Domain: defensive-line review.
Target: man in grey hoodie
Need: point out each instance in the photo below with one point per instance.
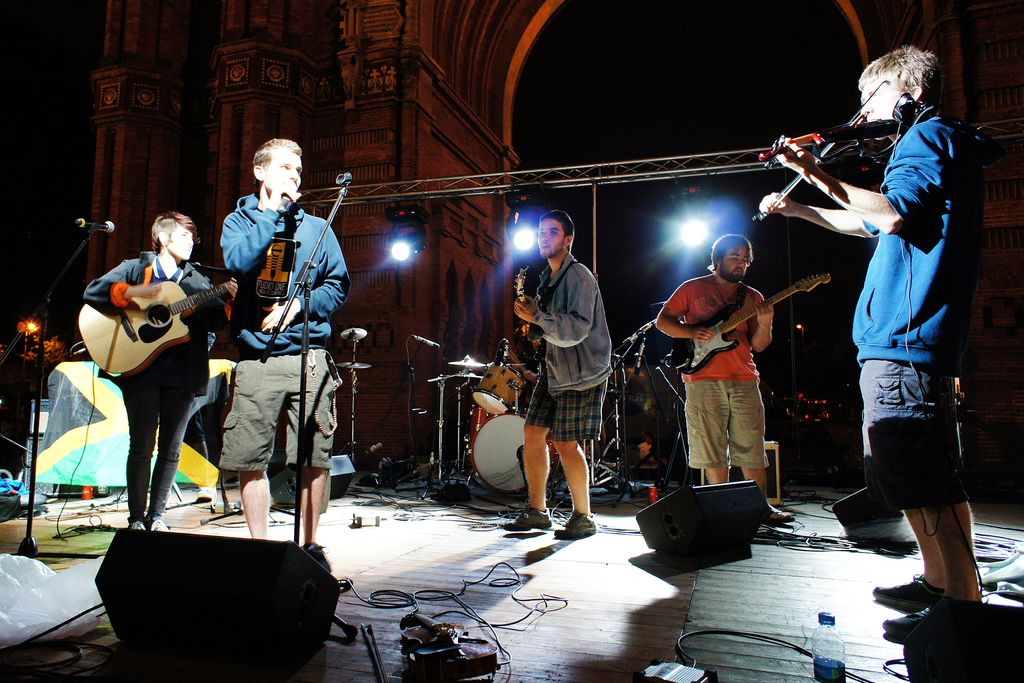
(569, 314)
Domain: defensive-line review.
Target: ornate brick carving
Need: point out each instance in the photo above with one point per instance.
(378, 79)
(145, 96)
(275, 73)
(109, 96)
(236, 73)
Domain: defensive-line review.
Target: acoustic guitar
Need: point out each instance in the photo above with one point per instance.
(127, 342)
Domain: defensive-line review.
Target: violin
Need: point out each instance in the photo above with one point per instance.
(857, 132)
(437, 651)
(853, 134)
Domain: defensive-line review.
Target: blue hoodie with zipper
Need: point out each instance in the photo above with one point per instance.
(915, 306)
(246, 242)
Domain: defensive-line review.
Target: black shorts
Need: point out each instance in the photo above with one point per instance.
(910, 447)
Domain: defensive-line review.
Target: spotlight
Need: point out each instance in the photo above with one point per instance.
(689, 203)
(693, 232)
(528, 204)
(408, 235)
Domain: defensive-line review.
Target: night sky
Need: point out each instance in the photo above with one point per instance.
(673, 78)
(48, 48)
(604, 83)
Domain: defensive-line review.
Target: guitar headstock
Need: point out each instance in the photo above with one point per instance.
(812, 281)
(520, 282)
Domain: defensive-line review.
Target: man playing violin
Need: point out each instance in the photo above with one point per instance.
(912, 318)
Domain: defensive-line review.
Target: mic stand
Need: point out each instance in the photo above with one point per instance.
(28, 546)
(304, 281)
(660, 415)
(680, 440)
(621, 472)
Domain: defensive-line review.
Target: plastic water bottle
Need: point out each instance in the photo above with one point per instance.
(828, 649)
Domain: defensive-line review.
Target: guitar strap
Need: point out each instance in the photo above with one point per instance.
(545, 293)
(741, 295)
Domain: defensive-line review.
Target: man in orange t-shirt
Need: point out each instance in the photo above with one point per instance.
(724, 412)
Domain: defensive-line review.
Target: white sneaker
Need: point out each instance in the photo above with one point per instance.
(137, 525)
(158, 525)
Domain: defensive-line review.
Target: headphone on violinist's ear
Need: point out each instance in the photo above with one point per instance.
(908, 110)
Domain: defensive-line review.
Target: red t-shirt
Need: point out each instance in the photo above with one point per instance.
(695, 301)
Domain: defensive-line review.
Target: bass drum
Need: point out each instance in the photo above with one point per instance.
(498, 453)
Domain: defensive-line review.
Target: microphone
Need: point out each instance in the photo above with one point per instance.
(287, 206)
(639, 356)
(343, 179)
(423, 340)
(106, 226)
(501, 357)
(643, 330)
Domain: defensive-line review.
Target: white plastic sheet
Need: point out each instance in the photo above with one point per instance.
(34, 598)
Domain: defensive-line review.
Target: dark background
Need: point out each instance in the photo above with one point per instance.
(603, 83)
(669, 78)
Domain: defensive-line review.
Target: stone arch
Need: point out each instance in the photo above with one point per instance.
(508, 56)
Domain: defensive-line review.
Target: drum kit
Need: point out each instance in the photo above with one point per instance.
(496, 438)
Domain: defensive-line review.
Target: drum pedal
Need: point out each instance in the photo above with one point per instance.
(357, 521)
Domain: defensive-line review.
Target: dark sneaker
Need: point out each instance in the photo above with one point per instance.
(775, 516)
(897, 630)
(528, 519)
(317, 553)
(910, 597)
(578, 526)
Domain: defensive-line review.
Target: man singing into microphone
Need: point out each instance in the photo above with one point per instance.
(724, 412)
(912, 319)
(265, 240)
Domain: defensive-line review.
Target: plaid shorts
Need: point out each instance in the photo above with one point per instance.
(570, 415)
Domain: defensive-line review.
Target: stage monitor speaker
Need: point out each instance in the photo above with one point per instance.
(964, 641)
(860, 507)
(268, 596)
(693, 521)
(342, 472)
(282, 479)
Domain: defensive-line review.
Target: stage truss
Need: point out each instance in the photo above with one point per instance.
(1008, 131)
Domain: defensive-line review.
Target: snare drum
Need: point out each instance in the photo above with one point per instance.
(499, 389)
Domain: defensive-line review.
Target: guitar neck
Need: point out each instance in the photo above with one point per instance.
(737, 318)
(197, 299)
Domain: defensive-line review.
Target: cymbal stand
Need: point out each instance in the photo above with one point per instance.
(460, 450)
(354, 381)
(440, 379)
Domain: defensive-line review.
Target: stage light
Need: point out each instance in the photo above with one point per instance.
(408, 236)
(528, 204)
(693, 232)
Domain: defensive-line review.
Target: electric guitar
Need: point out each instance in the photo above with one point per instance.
(689, 355)
(127, 342)
(528, 338)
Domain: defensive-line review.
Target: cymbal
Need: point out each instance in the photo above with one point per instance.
(353, 333)
(352, 365)
(468, 362)
(466, 375)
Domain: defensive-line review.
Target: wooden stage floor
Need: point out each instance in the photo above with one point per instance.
(623, 606)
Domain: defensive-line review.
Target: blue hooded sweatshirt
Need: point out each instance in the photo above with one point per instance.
(247, 242)
(916, 303)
